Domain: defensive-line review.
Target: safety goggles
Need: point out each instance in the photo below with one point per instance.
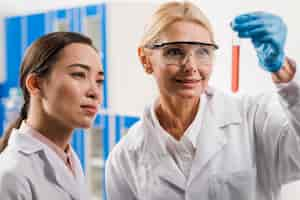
(177, 53)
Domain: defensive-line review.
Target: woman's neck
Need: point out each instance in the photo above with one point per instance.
(175, 116)
(57, 133)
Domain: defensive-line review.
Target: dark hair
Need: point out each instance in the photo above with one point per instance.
(38, 59)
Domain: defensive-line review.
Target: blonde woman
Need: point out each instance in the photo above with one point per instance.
(195, 142)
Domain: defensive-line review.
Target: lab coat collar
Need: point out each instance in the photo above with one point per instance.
(222, 107)
(155, 156)
(63, 177)
(168, 171)
(24, 143)
(219, 112)
(189, 135)
(28, 145)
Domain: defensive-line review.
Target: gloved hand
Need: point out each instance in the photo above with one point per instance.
(268, 35)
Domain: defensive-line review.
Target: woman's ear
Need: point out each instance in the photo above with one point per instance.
(145, 60)
(33, 84)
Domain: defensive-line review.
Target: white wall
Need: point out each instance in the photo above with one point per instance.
(129, 87)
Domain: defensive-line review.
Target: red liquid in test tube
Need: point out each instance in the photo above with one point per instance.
(235, 64)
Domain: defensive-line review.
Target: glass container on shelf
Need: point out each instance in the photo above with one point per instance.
(12, 106)
(61, 20)
(91, 26)
(61, 25)
(95, 158)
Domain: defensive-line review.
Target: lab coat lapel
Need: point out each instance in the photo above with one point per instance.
(208, 144)
(169, 172)
(218, 113)
(158, 160)
(63, 176)
(55, 169)
(80, 177)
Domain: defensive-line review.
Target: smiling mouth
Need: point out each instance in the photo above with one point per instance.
(188, 81)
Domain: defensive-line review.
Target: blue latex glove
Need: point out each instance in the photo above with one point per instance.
(268, 35)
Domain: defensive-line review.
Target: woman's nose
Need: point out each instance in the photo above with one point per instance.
(94, 91)
(189, 63)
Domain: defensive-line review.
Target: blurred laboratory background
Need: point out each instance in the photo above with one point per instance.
(116, 28)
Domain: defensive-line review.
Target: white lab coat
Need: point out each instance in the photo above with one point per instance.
(30, 170)
(246, 149)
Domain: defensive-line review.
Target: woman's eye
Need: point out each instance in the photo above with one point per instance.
(78, 74)
(174, 52)
(203, 52)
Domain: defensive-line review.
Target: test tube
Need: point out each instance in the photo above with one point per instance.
(235, 63)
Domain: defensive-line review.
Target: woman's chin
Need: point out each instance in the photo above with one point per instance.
(85, 124)
(188, 94)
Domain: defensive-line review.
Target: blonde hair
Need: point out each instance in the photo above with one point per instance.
(171, 12)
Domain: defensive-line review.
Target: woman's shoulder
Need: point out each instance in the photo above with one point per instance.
(133, 138)
(17, 155)
(13, 163)
(130, 144)
(13, 174)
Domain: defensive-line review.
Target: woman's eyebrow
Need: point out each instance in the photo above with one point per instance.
(86, 67)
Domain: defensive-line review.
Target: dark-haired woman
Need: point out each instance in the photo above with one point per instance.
(61, 78)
